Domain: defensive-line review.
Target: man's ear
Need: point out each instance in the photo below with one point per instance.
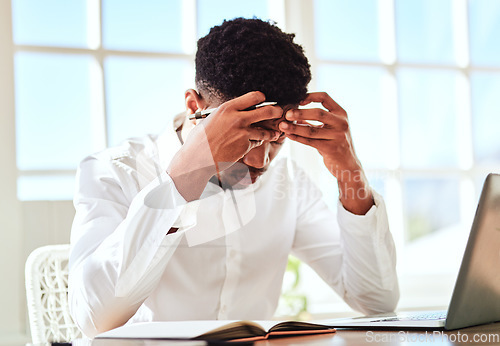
(193, 101)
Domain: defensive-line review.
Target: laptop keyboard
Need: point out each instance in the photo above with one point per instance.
(435, 315)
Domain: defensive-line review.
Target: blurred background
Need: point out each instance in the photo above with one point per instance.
(418, 79)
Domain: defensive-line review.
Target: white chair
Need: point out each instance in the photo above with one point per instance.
(47, 295)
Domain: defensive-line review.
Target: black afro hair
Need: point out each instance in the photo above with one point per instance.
(243, 55)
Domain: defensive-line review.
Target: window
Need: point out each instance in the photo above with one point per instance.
(419, 79)
(91, 73)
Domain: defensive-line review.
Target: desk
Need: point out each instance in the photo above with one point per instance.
(481, 335)
(464, 336)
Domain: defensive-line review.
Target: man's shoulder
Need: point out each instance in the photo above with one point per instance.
(127, 152)
(131, 147)
(131, 164)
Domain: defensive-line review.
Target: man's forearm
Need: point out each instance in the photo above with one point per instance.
(189, 179)
(354, 192)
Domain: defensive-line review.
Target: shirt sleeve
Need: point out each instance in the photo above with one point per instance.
(354, 254)
(119, 242)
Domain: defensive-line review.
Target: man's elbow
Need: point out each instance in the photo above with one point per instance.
(92, 323)
(387, 303)
(95, 313)
(374, 301)
(381, 301)
(82, 317)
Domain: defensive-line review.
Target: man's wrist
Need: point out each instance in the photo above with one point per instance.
(354, 191)
(189, 179)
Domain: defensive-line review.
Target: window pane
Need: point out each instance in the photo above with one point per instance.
(36, 188)
(424, 31)
(427, 119)
(53, 126)
(430, 205)
(143, 95)
(360, 91)
(151, 25)
(486, 117)
(484, 19)
(346, 29)
(377, 181)
(213, 12)
(50, 22)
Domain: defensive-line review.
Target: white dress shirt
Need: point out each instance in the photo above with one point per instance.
(228, 257)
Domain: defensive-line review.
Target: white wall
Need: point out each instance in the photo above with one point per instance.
(41, 223)
(23, 226)
(11, 237)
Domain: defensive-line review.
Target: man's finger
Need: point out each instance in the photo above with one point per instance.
(262, 114)
(261, 134)
(335, 121)
(313, 142)
(310, 131)
(245, 101)
(325, 100)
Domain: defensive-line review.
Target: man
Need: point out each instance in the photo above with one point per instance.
(199, 224)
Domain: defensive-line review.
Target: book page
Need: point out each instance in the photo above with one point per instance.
(236, 330)
(267, 324)
(162, 330)
(291, 325)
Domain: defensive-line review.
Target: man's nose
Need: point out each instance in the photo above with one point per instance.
(258, 157)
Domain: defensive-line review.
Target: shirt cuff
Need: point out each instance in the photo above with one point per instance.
(369, 234)
(157, 208)
(359, 224)
(166, 196)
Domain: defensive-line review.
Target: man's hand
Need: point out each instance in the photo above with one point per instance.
(332, 139)
(232, 132)
(219, 141)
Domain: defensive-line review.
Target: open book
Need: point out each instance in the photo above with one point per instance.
(215, 330)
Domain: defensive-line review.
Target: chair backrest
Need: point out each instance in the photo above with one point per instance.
(47, 295)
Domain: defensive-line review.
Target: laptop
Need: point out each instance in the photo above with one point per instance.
(476, 296)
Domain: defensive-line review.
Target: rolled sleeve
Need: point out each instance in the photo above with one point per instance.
(370, 277)
(119, 241)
